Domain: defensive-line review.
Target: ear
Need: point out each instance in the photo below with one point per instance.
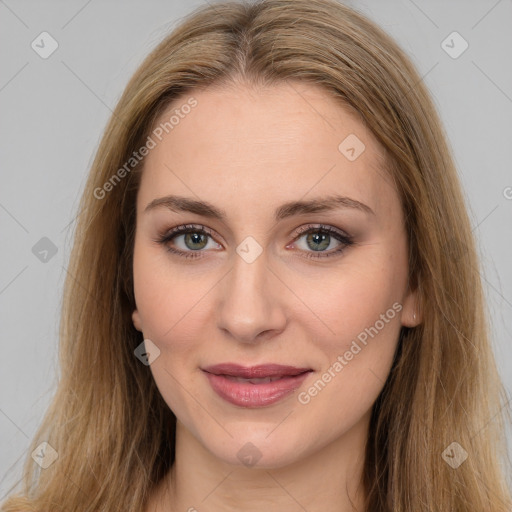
(411, 312)
(136, 320)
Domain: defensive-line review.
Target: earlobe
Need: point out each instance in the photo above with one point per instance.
(136, 320)
(411, 313)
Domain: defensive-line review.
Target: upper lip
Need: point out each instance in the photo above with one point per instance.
(252, 372)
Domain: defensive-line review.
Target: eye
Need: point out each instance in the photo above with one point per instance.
(189, 240)
(318, 238)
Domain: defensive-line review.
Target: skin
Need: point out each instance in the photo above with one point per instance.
(248, 150)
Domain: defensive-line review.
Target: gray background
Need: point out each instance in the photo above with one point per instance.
(54, 111)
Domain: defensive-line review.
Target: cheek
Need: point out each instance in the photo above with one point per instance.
(359, 306)
(352, 298)
(175, 311)
(356, 359)
(169, 307)
(165, 298)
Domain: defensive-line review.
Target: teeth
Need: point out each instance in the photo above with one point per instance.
(253, 381)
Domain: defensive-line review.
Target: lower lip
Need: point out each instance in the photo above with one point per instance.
(246, 394)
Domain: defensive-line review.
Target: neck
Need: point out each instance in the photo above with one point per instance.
(326, 480)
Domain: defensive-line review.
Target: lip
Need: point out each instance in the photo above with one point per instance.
(285, 380)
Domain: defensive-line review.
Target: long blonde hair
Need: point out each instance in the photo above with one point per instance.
(112, 430)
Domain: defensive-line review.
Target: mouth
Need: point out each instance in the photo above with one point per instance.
(255, 386)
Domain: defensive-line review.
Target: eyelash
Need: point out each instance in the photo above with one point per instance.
(346, 240)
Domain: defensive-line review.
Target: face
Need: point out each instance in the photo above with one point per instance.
(294, 254)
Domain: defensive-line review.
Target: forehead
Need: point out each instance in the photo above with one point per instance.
(242, 146)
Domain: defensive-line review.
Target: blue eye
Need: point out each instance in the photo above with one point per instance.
(319, 238)
(194, 238)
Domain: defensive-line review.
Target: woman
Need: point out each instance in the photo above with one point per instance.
(272, 300)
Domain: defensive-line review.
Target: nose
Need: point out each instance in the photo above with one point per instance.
(249, 303)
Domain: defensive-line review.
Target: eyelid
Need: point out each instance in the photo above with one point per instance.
(184, 228)
(298, 232)
(321, 227)
(344, 239)
(341, 236)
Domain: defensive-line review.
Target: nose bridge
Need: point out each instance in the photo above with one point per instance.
(248, 304)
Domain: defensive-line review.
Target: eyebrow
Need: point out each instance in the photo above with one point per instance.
(324, 204)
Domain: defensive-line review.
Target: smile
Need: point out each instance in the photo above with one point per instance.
(256, 386)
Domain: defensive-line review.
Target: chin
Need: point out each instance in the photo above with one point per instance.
(258, 449)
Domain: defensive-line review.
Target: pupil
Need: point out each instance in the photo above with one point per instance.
(318, 239)
(195, 238)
